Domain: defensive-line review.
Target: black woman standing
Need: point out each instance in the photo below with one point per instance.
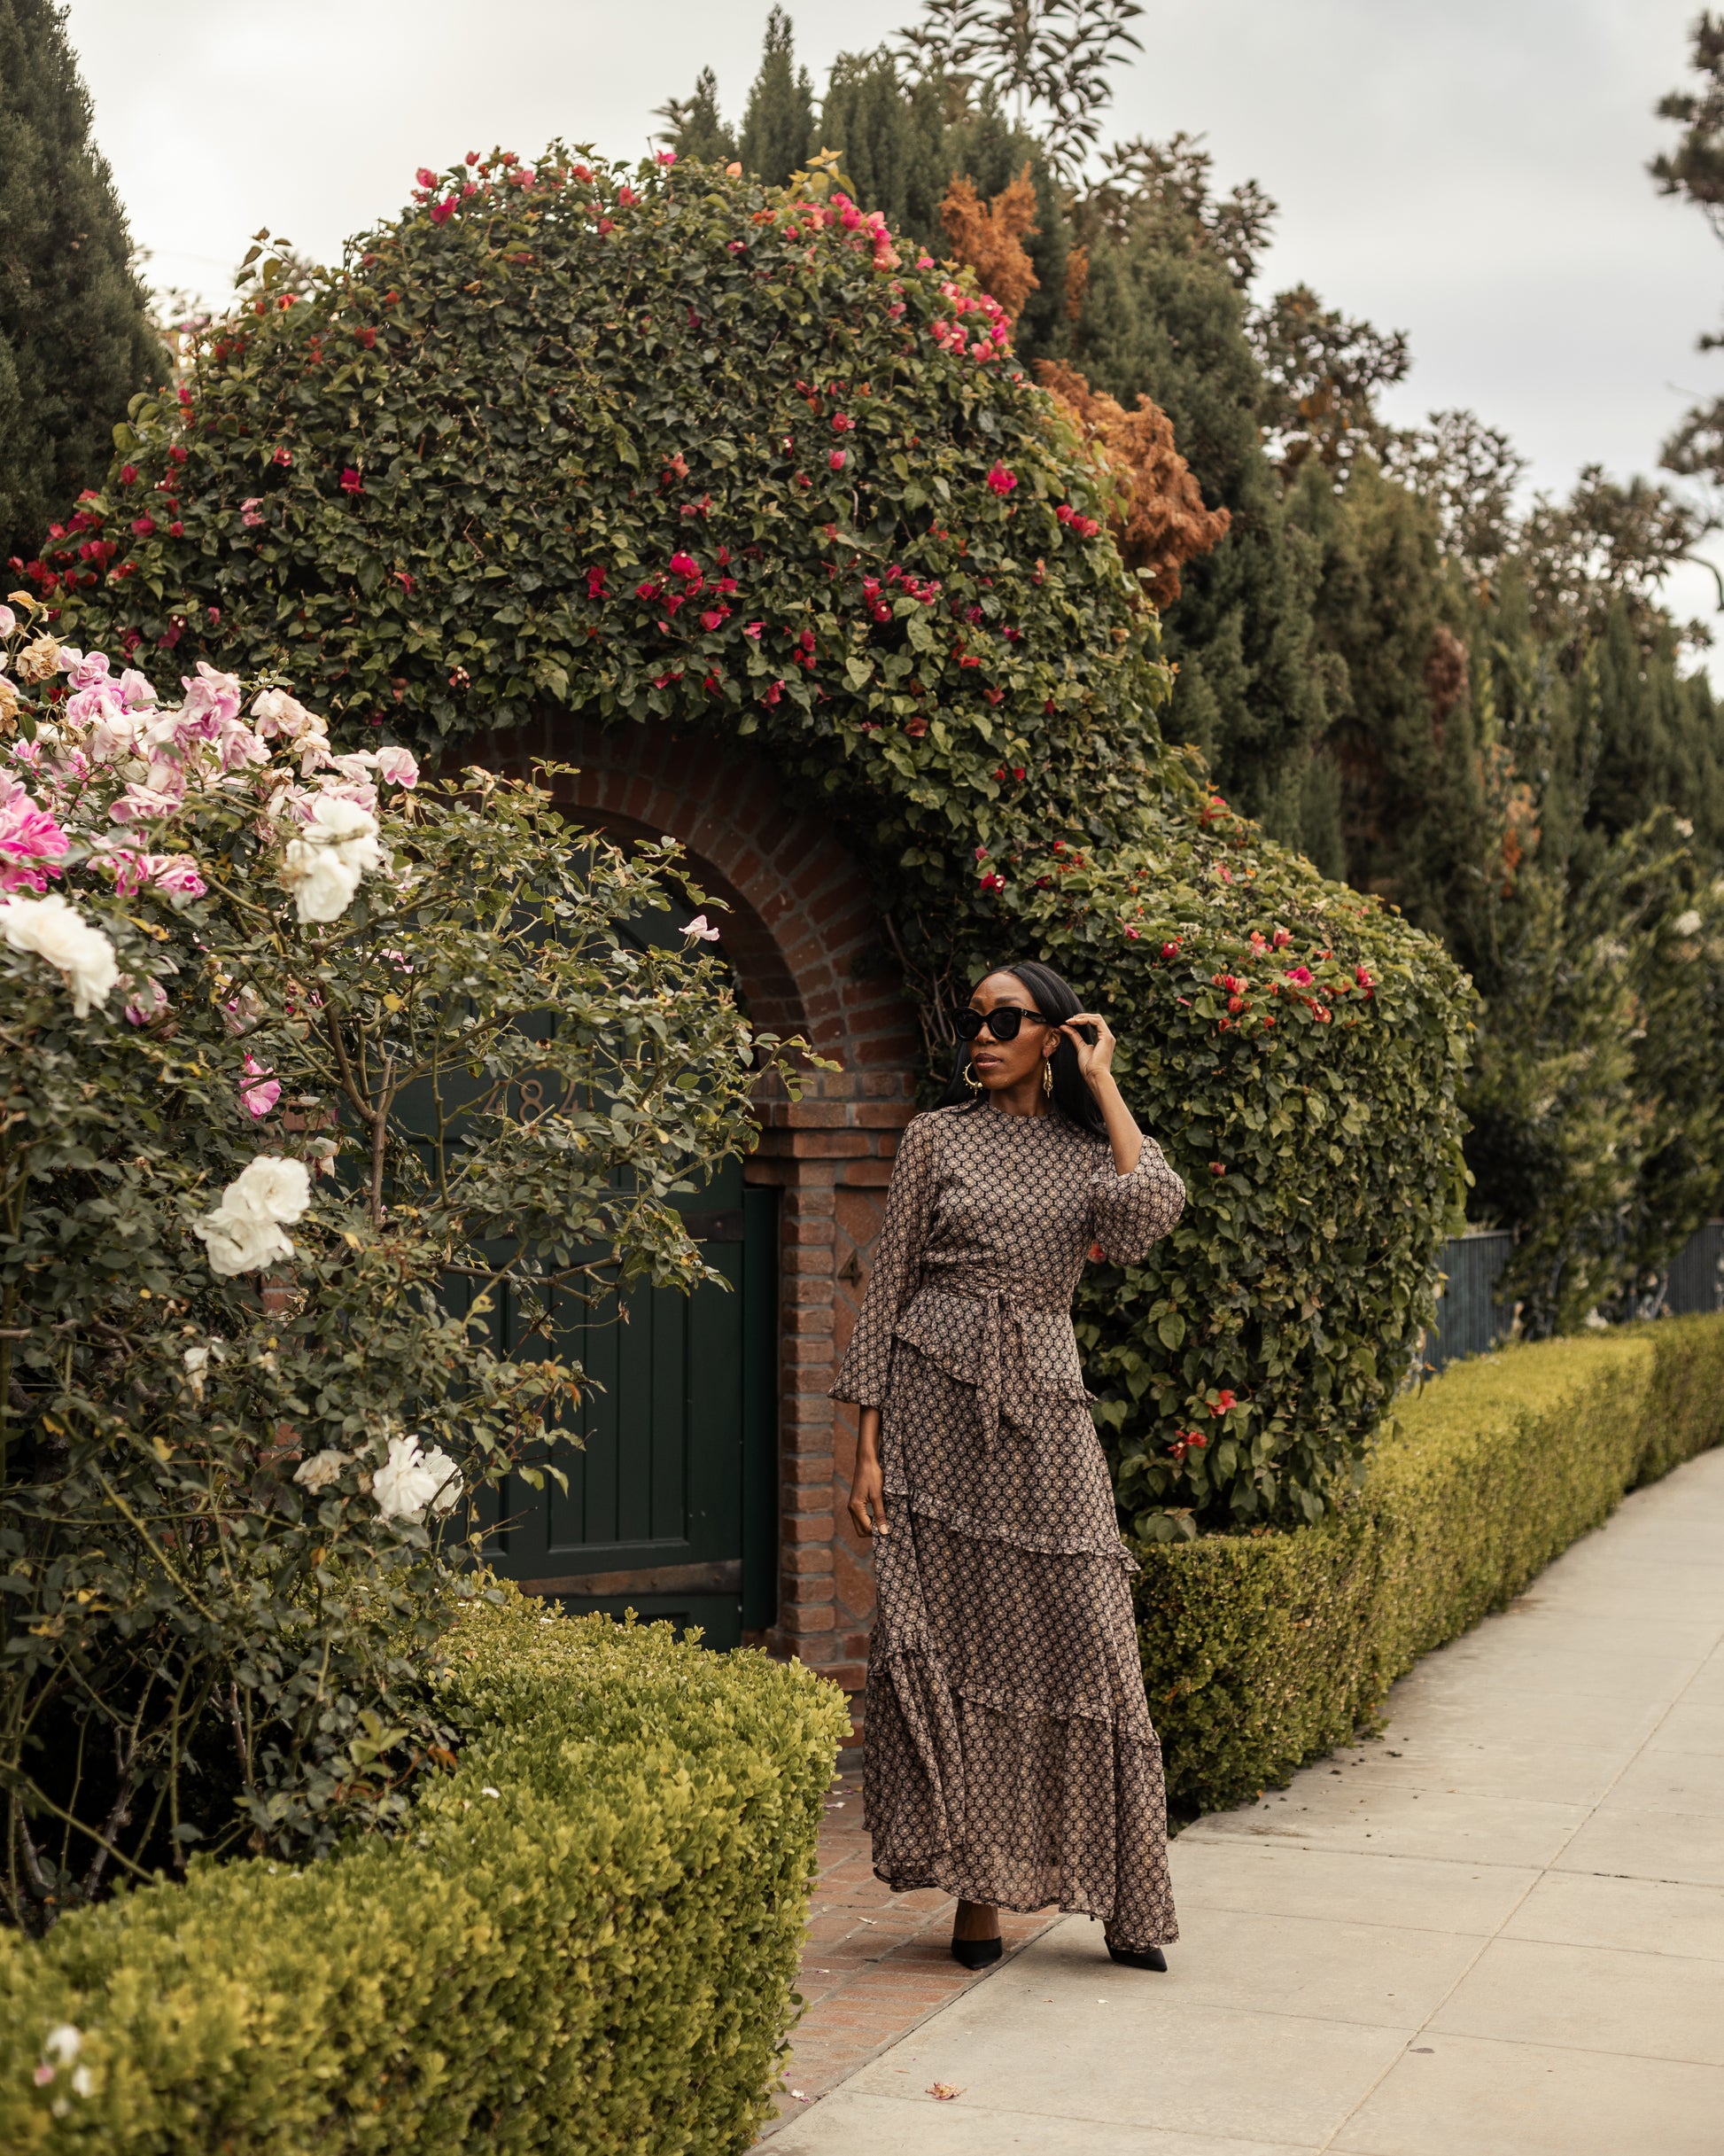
(1009, 1754)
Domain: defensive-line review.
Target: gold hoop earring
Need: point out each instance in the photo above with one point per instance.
(1047, 1074)
(971, 1079)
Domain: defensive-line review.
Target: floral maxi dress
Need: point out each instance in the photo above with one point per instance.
(1009, 1756)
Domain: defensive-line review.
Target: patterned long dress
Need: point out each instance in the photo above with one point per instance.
(1009, 1756)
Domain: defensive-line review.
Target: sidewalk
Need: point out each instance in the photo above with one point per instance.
(1499, 1931)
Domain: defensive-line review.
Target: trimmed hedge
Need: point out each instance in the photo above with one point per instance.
(588, 1944)
(1262, 1651)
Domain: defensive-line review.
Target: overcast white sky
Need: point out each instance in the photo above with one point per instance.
(1471, 173)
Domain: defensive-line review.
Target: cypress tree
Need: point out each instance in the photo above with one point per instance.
(890, 140)
(1163, 317)
(778, 130)
(696, 129)
(75, 336)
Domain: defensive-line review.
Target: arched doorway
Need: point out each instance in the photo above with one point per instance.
(810, 959)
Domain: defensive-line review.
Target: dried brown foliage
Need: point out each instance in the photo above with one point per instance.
(1158, 521)
(989, 236)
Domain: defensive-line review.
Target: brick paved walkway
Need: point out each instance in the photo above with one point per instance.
(876, 1963)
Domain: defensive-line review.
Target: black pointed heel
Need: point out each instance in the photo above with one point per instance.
(1150, 1957)
(977, 1953)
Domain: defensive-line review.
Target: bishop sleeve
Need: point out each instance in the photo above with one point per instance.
(1129, 1212)
(896, 1268)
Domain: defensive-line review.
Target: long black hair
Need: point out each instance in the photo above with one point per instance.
(1052, 997)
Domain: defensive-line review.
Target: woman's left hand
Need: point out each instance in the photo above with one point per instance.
(1095, 1058)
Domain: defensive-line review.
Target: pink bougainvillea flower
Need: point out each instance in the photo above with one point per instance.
(667, 157)
(425, 177)
(283, 456)
(143, 526)
(1302, 975)
(684, 566)
(249, 511)
(350, 482)
(837, 460)
(441, 211)
(1216, 1167)
(753, 628)
(702, 929)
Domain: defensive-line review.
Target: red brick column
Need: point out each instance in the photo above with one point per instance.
(810, 959)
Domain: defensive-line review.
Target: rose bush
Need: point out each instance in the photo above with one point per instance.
(277, 1139)
(666, 447)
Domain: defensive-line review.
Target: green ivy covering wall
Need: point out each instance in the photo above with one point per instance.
(668, 447)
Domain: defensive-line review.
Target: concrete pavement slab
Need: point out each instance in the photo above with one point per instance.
(1603, 1999)
(1578, 1909)
(916, 2124)
(1291, 1880)
(1685, 1847)
(1463, 2095)
(1405, 1822)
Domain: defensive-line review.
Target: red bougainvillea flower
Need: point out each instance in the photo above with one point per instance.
(350, 482)
(1222, 1401)
(1282, 938)
(1001, 480)
(595, 577)
(993, 881)
(1170, 950)
(283, 456)
(1364, 977)
(441, 211)
(143, 526)
(1300, 974)
(837, 460)
(425, 177)
(128, 475)
(684, 566)
(843, 424)
(178, 452)
(1218, 1167)
(405, 581)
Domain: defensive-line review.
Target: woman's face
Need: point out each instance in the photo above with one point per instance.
(1003, 1063)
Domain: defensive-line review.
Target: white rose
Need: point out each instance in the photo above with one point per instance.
(244, 1233)
(337, 821)
(320, 1470)
(321, 879)
(60, 934)
(1687, 923)
(409, 1479)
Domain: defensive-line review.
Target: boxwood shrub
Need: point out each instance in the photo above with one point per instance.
(587, 1943)
(1263, 1650)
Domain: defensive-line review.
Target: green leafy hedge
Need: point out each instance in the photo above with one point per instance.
(667, 446)
(1262, 1651)
(588, 1944)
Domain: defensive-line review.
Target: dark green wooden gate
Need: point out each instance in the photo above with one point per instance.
(670, 1502)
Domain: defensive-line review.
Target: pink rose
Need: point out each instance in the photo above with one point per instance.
(397, 766)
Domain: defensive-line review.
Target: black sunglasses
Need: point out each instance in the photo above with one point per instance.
(1003, 1022)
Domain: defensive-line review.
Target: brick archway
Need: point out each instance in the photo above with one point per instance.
(806, 948)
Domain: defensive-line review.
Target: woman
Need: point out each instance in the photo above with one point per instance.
(1009, 1754)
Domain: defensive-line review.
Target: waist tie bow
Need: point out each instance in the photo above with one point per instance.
(1003, 1358)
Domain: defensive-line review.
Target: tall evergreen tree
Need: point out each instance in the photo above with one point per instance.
(778, 130)
(75, 336)
(692, 125)
(890, 139)
(1163, 316)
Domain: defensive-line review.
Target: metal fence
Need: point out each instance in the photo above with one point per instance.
(1471, 1317)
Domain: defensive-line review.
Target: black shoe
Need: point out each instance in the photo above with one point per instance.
(977, 1953)
(1150, 1957)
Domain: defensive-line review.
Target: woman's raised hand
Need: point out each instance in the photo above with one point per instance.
(1095, 1058)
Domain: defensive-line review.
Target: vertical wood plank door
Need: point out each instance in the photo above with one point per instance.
(669, 1505)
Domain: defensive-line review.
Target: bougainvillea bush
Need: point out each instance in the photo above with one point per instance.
(666, 447)
(276, 1141)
